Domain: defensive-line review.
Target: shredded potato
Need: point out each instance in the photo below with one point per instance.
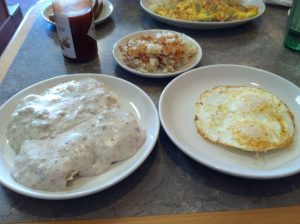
(204, 10)
(163, 52)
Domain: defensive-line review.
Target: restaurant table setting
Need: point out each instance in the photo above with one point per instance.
(179, 167)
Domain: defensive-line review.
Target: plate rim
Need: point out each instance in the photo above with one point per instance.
(198, 24)
(49, 195)
(97, 20)
(110, 11)
(260, 174)
(197, 57)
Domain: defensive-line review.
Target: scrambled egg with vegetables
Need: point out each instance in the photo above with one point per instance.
(205, 10)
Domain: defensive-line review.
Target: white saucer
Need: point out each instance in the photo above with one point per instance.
(106, 11)
(177, 112)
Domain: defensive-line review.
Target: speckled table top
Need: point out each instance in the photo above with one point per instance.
(168, 181)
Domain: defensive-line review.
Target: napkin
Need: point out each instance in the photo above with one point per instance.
(279, 2)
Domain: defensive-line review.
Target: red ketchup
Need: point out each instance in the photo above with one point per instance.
(76, 29)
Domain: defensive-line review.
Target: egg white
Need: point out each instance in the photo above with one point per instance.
(247, 118)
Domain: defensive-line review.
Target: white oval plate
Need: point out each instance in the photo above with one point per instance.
(204, 25)
(106, 11)
(123, 41)
(130, 96)
(177, 111)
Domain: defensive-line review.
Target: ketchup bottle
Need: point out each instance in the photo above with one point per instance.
(76, 29)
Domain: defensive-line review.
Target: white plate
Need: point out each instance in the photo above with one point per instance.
(122, 42)
(177, 107)
(131, 97)
(106, 11)
(204, 25)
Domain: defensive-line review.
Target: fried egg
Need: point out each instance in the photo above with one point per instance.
(247, 118)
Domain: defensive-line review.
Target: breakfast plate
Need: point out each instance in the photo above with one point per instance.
(131, 97)
(106, 11)
(177, 112)
(146, 5)
(192, 62)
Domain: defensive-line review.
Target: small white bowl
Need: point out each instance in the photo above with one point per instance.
(122, 42)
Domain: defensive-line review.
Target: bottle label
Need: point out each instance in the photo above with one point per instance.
(65, 36)
(92, 31)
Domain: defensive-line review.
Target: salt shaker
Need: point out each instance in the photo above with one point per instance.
(76, 29)
(292, 37)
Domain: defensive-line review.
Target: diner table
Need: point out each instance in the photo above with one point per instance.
(168, 183)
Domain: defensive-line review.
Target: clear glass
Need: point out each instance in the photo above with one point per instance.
(292, 37)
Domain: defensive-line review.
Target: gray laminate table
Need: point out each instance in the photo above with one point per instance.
(168, 181)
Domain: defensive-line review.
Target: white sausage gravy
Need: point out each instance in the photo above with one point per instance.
(75, 128)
